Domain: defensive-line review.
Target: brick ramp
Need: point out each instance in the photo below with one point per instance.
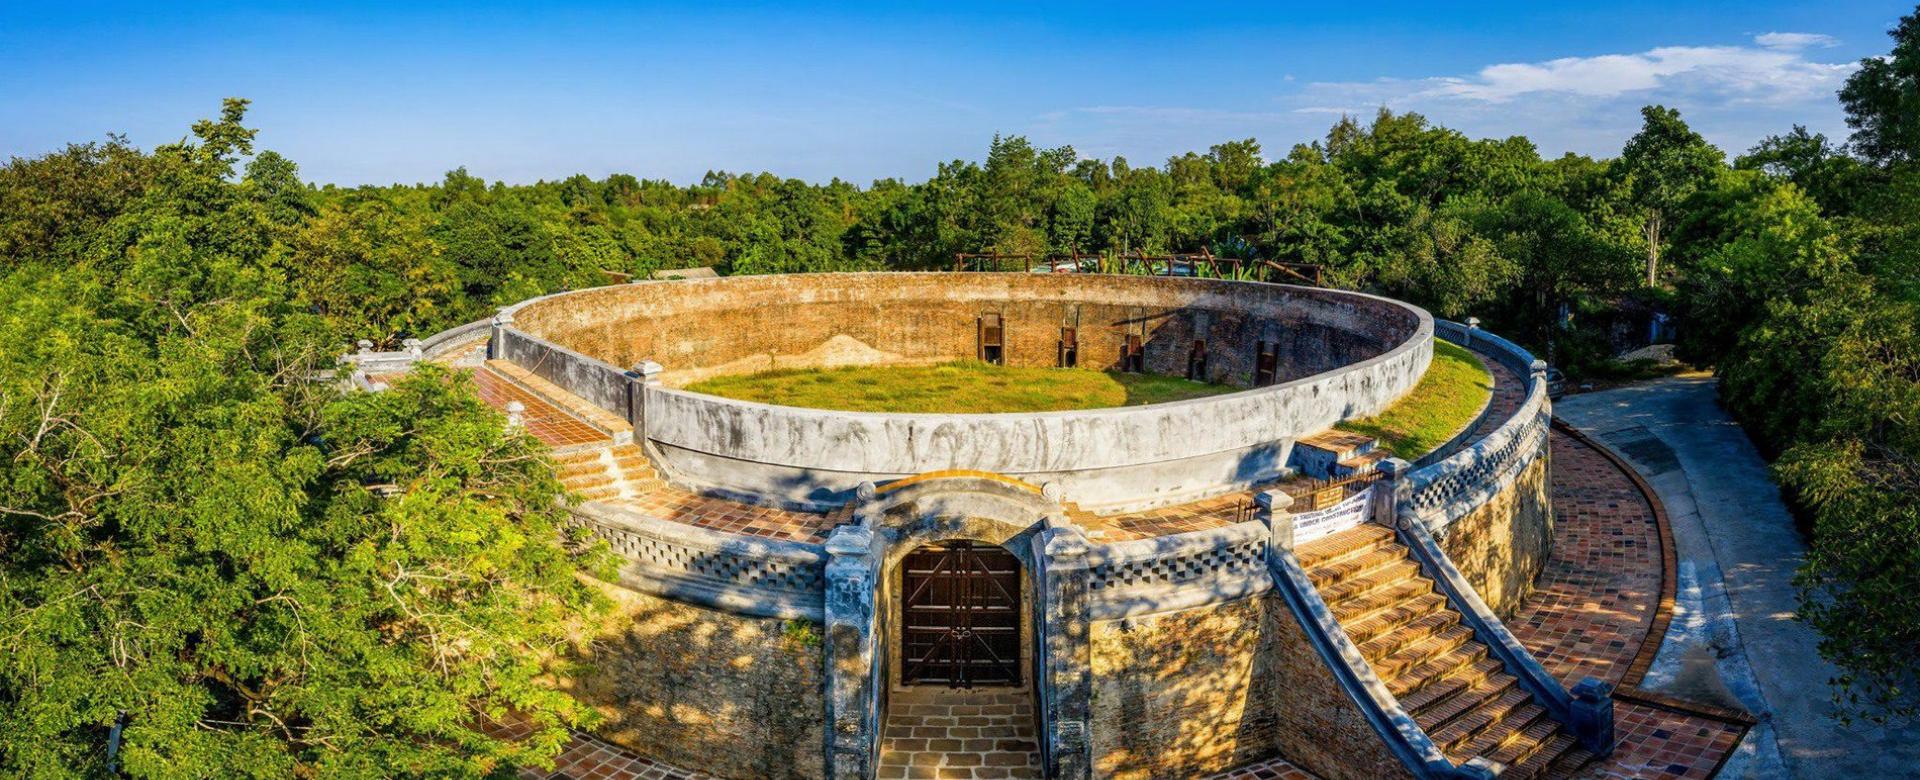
(940, 732)
(1430, 661)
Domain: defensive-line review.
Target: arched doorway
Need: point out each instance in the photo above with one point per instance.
(960, 616)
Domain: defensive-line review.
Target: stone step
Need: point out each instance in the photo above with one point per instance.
(1415, 654)
(1338, 547)
(1561, 756)
(1473, 722)
(1435, 669)
(1408, 633)
(1531, 740)
(1398, 571)
(1462, 679)
(1360, 464)
(1400, 614)
(1365, 606)
(1341, 444)
(1357, 566)
(1456, 696)
(1515, 726)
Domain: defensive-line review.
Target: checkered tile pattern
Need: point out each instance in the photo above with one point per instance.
(1655, 742)
(544, 421)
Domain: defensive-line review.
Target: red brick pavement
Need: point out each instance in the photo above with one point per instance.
(546, 422)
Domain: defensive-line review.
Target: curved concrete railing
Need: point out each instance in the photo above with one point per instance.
(745, 575)
(1104, 459)
(1178, 571)
(454, 340)
(1443, 492)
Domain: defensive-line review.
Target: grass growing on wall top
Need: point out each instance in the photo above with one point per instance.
(954, 388)
(1449, 396)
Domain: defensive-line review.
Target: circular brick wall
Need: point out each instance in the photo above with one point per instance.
(1341, 355)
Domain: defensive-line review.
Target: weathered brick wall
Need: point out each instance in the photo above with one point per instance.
(703, 328)
(735, 696)
(1501, 545)
(1198, 691)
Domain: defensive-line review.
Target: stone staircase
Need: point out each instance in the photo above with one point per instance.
(1442, 676)
(605, 472)
(1336, 454)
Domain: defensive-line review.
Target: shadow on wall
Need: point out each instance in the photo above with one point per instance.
(722, 693)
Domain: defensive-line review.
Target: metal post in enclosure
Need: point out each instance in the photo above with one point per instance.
(851, 656)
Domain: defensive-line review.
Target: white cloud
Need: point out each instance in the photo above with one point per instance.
(1793, 41)
(1736, 72)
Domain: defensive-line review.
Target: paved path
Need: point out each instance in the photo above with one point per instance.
(1733, 636)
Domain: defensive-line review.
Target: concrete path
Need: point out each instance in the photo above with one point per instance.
(1734, 640)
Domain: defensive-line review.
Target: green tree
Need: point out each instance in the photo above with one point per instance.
(1882, 99)
(1664, 164)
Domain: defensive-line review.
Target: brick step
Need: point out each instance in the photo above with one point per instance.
(1456, 696)
(1382, 577)
(1365, 606)
(1530, 741)
(1359, 566)
(1338, 547)
(1360, 464)
(1461, 680)
(1415, 654)
(1472, 723)
(583, 468)
(1408, 633)
(1435, 669)
(1495, 740)
(599, 493)
(1561, 756)
(1400, 614)
(1341, 444)
(575, 457)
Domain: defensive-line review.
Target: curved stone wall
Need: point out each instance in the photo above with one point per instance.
(1344, 355)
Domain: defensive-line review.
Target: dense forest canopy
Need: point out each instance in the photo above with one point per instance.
(192, 548)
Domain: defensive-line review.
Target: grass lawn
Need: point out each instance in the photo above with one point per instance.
(1451, 393)
(960, 387)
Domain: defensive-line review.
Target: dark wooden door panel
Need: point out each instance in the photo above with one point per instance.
(961, 625)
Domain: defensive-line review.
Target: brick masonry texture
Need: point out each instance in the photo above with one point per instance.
(703, 328)
(693, 687)
(935, 732)
(1205, 690)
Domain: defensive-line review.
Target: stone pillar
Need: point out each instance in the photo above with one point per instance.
(516, 414)
(412, 348)
(644, 374)
(1271, 507)
(1473, 325)
(1390, 496)
(1591, 717)
(1066, 684)
(851, 649)
(497, 340)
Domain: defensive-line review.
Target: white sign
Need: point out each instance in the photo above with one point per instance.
(1308, 526)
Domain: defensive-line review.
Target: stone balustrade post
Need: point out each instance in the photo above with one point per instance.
(497, 339)
(1473, 326)
(850, 651)
(412, 348)
(644, 374)
(1592, 715)
(1390, 497)
(516, 414)
(1271, 507)
(1067, 677)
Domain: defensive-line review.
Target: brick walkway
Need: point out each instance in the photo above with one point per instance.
(1595, 607)
(545, 421)
(667, 502)
(938, 732)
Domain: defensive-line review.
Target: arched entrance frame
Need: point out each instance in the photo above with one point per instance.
(863, 593)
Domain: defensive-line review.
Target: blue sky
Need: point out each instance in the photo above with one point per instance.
(371, 93)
